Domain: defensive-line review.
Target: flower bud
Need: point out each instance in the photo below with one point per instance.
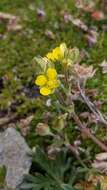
(43, 129)
(60, 122)
(74, 55)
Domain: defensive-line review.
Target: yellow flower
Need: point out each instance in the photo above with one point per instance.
(41, 80)
(47, 82)
(57, 53)
(45, 91)
(51, 73)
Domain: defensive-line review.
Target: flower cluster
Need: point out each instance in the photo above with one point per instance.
(47, 74)
(47, 82)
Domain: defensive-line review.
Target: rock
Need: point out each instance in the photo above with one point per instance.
(14, 155)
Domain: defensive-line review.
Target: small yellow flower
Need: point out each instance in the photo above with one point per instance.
(47, 82)
(57, 53)
(45, 91)
(41, 80)
(51, 73)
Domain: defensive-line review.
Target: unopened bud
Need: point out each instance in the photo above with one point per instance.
(60, 122)
(43, 129)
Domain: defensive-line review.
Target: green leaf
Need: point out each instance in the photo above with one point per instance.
(42, 64)
(53, 172)
(2, 175)
(98, 187)
(39, 182)
(55, 168)
(68, 187)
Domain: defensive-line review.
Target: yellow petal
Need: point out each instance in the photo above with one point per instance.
(45, 91)
(59, 52)
(56, 52)
(41, 80)
(49, 56)
(51, 73)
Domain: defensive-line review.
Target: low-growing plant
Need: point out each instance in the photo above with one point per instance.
(60, 173)
(54, 173)
(62, 78)
(62, 81)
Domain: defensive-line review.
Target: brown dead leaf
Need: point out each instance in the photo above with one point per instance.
(92, 182)
(4, 16)
(98, 104)
(101, 156)
(100, 162)
(85, 6)
(50, 34)
(25, 122)
(91, 118)
(24, 125)
(101, 166)
(12, 21)
(85, 186)
(13, 25)
(91, 92)
(67, 17)
(85, 115)
(83, 72)
(104, 27)
(52, 150)
(98, 15)
(79, 23)
(41, 14)
(91, 37)
(75, 21)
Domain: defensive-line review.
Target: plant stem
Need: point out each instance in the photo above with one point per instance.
(91, 106)
(76, 154)
(88, 133)
(60, 98)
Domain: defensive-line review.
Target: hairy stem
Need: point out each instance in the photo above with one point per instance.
(91, 106)
(74, 150)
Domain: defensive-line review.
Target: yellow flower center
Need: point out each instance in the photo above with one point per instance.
(53, 84)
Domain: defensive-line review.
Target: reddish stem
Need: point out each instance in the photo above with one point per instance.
(88, 133)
